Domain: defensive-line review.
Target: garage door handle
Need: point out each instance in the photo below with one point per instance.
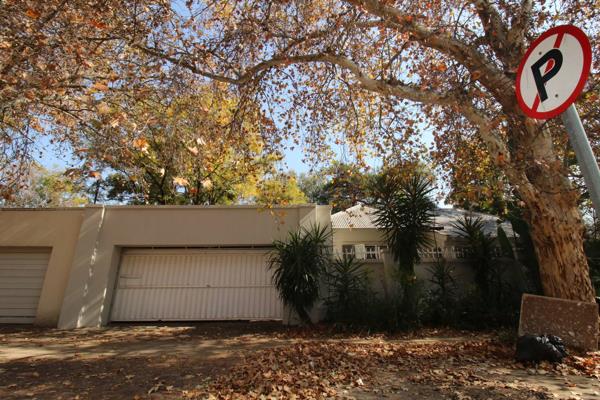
(130, 277)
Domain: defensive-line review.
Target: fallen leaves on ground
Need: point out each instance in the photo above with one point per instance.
(233, 361)
(325, 369)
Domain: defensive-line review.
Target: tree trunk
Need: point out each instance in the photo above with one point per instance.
(557, 233)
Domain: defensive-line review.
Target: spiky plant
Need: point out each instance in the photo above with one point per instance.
(298, 263)
(404, 210)
(347, 281)
(481, 246)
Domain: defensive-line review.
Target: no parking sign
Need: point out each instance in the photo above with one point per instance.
(551, 76)
(553, 72)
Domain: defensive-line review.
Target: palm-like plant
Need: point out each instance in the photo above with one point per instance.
(347, 281)
(404, 210)
(297, 264)
(442, 296)
(481, 246)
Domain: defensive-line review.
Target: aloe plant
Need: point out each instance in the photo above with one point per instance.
(298, 264)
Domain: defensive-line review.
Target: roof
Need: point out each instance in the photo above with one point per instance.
(362, 217)
(358, 217)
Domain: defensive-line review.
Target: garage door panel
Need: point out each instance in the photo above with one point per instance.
(195, 285)
(22, 273)
(20, 282)
(188, 271)
(19, 301)
(196, 304)
(15, 292)
(17, 311)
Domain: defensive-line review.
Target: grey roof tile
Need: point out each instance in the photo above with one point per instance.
(361, 217)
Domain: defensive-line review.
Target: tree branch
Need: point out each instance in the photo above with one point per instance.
(518, 29)
(495, 31)
(489, 75)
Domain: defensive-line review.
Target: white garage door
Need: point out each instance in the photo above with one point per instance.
(191, 284)
(21, 278)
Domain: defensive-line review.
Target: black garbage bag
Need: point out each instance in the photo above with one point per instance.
(540, 348)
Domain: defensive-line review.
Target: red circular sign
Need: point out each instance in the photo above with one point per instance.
(553, 72)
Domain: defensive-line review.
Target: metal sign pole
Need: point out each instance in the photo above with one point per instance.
(585, 155)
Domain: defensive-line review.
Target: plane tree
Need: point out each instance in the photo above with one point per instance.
(383, 71)
(378, 76)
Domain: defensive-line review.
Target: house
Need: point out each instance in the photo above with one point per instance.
(86, 267)
(356, 233)
(89, 266)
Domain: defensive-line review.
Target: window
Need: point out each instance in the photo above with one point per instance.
(462, 252)
(347, 251)
(431, 253)
(372, 252)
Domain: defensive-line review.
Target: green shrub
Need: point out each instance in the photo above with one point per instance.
(297, 265)
(347, 282)
(476, 311)
(401, 310)
(441, 299)
(404, 211)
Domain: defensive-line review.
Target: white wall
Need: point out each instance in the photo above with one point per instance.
(56, 229)
(107, 230)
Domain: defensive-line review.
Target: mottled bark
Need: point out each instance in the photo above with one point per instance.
(557, 232)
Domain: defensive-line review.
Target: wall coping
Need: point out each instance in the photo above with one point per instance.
(164, 207)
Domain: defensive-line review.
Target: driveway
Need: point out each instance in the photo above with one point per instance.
(245, 360)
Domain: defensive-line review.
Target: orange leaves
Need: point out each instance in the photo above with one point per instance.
(141, 144)
(179, 181)
(33, 14)
(193, 150)
(348, 369)
(407, 19)
(440, 67)
(500, 159)
(475, 75)
(207, 184)
(104, 108)
(97, 24)
(30, 94)
(100, 86)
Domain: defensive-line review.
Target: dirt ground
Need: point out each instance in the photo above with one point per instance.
(250, 360)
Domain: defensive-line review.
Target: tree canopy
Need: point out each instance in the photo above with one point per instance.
(374, 75)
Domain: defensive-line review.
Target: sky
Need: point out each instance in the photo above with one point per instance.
(53, 158)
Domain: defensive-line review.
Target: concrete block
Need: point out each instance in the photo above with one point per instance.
(575, 322)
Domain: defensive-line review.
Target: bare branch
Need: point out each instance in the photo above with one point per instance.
(518, 29)
(496, 31)
(489, 75)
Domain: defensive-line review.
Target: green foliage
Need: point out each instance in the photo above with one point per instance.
(595, 275)
(494, 301)
(481, 246)
(404, 210)
(475, 313)
(441, 300)
(46, 188)
(298, 264)
(340, 185)
(313, 187)
(347, 281)
(280, 189)
(411, 302)
(402, 310)
(182, 147)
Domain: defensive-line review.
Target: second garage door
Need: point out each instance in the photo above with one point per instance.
(22, 273)
(191, 284)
